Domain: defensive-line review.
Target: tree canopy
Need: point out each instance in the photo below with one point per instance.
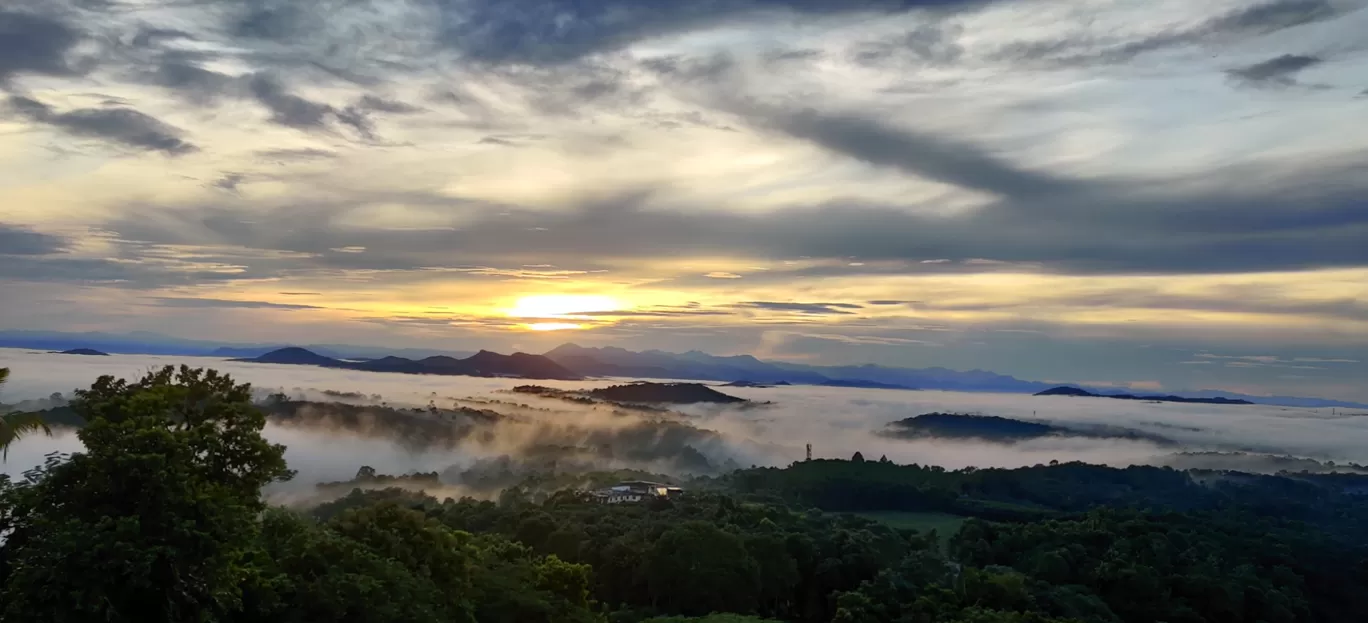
(161, 518)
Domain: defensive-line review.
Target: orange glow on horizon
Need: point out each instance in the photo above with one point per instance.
(552, 326)
(563, 306)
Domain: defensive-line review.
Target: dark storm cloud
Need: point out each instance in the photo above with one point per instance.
(111, 272)
(189, 80)
(657, 312)
(1267, 222)
(296, 154)
(933, 157)
(1272, 16)
(276, 19)
(150, 37)
(123, 126)
(1276, 72)
(34, 43)
(557, 31)
(380, 104)
(817, 309)
(229, 182)
(1258, 19)
(1226, 298)
(286, 108)
(293, 111)
(930, 43)
(23, 241)
(198, 303)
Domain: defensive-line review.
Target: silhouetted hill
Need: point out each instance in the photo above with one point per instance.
(296, 356)
(484, 363)
(84, 351)
(862, 384)
(519, 364)
(1006, 430)
(1066, 391)
(673, 393)
(963, 426)
(1076, 392)
(654, 364)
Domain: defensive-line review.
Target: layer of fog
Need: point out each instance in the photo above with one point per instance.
(837, 422)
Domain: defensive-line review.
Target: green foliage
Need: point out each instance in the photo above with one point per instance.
(697, 568)
(14, 426)
(943, 525)
(153, 522)
(308, 572)
(161, 519)
(712, 618)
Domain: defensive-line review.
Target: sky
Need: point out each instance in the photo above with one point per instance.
(1159, 193)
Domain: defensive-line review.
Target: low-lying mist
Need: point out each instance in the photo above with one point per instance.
(478, 435)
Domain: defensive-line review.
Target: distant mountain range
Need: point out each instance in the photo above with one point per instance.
(483, 363)
(1076, 392)
(148, 343)
(655, 364)
(612, 361)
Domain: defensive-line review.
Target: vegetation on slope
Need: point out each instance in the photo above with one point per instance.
(161, 519)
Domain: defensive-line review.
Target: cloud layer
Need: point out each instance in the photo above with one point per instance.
(837, 422)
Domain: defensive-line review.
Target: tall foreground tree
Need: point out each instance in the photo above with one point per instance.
(13, 426)
(156, 519)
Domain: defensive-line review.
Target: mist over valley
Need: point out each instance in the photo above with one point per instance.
(333, 421)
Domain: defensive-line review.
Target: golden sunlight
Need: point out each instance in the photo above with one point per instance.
(562, 306)
(552, 326)
(554, 309)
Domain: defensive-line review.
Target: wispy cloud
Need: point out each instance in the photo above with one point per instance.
(1278, 72)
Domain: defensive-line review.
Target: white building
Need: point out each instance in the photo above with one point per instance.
(635, 491)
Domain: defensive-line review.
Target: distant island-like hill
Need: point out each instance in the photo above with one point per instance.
(483, 363)
(674, 393)
(1065, 390)
(82, 351)
(641, 392)
(963, 426)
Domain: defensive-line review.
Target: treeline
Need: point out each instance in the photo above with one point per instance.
(161, 519)
(1331, 502)
(697, 555)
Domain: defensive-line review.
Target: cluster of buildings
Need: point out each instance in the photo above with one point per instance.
(635, 491)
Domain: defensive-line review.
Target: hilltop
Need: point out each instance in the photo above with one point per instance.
(635, 395)
(90, 352)
(963, 426)
(671, 393)
(1005, 430)
(1083, 393)
(483, 363)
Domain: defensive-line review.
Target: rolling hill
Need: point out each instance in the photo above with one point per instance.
(483, 363)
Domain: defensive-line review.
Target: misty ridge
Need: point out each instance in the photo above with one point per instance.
(571, 361)
(481, 435)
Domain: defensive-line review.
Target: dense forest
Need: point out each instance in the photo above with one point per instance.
(162, 519)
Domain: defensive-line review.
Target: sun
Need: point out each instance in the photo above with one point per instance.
(557, 309)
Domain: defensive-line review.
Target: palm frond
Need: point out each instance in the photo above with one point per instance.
(14, 426)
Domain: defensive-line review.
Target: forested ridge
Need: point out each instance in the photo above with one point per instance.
(161, 519)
